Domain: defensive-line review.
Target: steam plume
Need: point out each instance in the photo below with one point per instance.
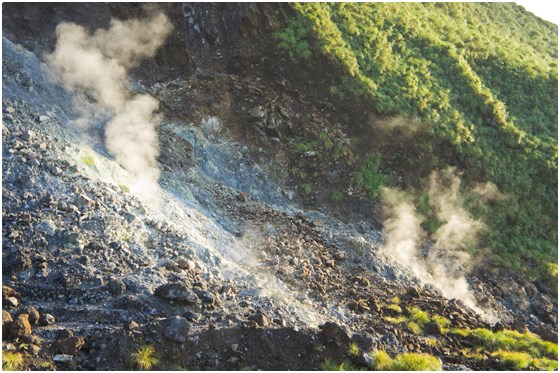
(99, 63)
(444, 263)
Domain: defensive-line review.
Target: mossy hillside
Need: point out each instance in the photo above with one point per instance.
(482, 77)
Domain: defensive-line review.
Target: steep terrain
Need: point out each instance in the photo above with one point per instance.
(265, 245)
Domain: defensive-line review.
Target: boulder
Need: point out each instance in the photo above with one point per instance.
(20, 326)
(116, 287)
(178, 293)
(9, 292)
(6, 317)
(46, 319)
(261, 319)
(329, 329)
(33, 314)
(68, 344)
(176, 329)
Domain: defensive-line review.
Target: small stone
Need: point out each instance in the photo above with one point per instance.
(62, 358)
(329, 329)
(82, 200)
(116, 287)
(27, 135)
(191, 316)
(261, 319)
(131, 325)
(177, 293)
(185, 264)
(43, 118)
(9, 292)
(413, 292)
(46, 319)
(20, 326)
(433, 328)
(56, 171)
(234, 347)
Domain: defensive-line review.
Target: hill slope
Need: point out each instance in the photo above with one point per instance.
(482, 78)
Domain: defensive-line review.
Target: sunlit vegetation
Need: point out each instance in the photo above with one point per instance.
(145, 357)
(407, 362)
(520, 351)
(482, 77)
(12, 360)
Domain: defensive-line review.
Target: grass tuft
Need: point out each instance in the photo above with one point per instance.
(380, 360)
(11, 360)
(145, 357)
(354, 349)
(416, 362)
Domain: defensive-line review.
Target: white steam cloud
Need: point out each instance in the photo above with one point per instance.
(444, 263)
(98, 63)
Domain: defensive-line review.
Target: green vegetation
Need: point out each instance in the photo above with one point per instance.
(337, 196)
(369, 177)
(88, 160)
(380, 360)
(408, 362)
(517, 350)
(481, 77)
(328, 365)
(524, 361)
(145, 357)
(11, 360)
(441, 321)
(354, 349)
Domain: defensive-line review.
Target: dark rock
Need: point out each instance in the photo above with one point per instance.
(433, 328)
(547, 332)
(498, 327)
(176, 329)
(20, 326)
(413, 292)
(31, 339)
(68, 344)
(261, 319)
(373, 305)
(243, 197)
(185, 264)
(519, 324)
(82, 200)
(257, 114)
(365, 341)
(391, 341)
(116, 287)
(33, 314)
(177, 293)
(191, 316)
(329, 329)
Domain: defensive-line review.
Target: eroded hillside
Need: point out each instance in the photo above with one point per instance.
(267, 241)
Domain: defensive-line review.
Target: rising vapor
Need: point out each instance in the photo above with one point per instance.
(445, 262)
(98, 63)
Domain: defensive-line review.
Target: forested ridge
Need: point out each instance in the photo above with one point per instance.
(482, 77)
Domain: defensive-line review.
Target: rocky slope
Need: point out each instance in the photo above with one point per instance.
(234, 265)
